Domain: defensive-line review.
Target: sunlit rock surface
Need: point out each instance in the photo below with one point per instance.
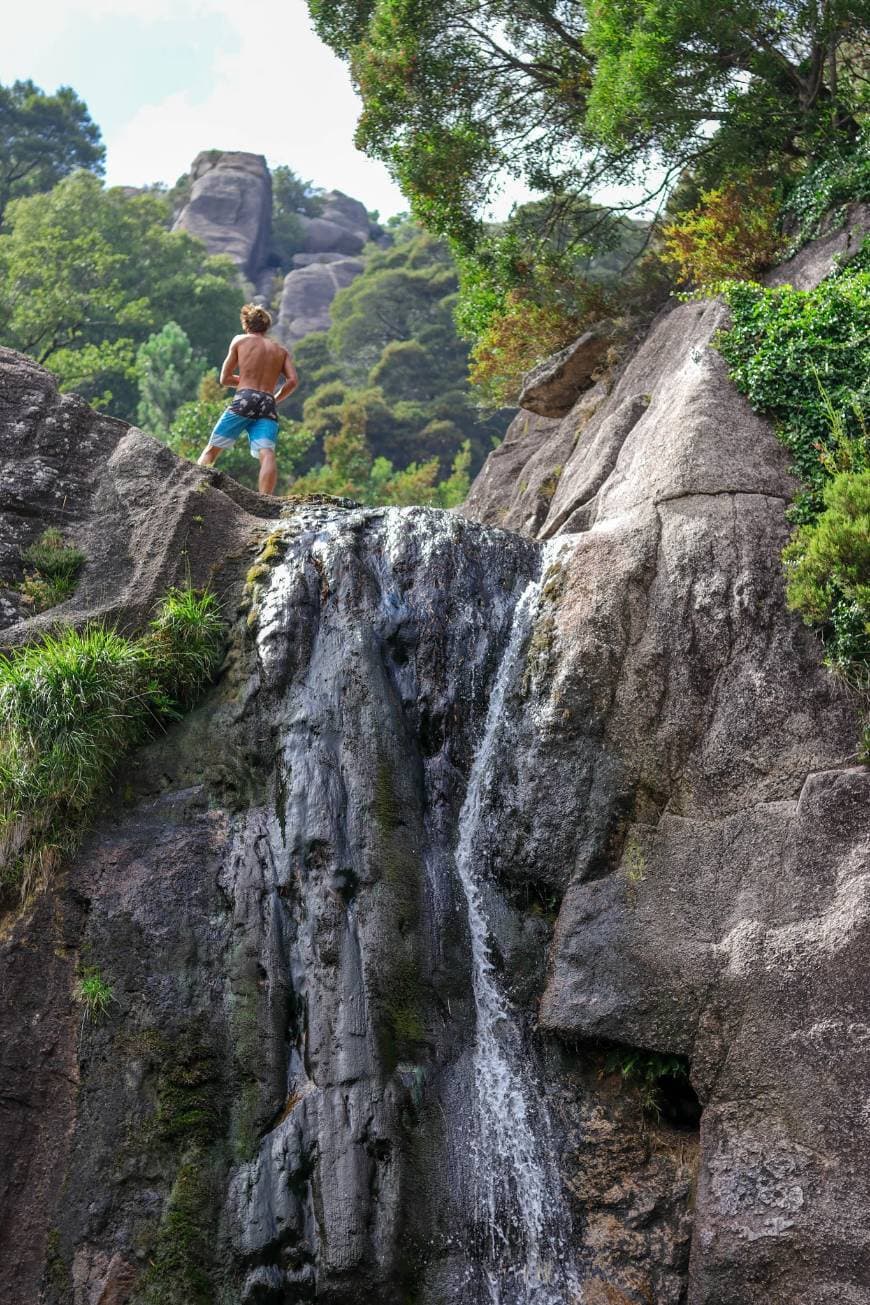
(464, 812)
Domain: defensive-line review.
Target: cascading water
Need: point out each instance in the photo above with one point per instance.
(408, 1069)
(521, 1216)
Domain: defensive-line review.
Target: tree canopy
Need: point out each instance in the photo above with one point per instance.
(42, 139)
(168, 371)
(87, 274)
(565, 96)
(393, 357)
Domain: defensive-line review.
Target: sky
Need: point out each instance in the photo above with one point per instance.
(164, 79)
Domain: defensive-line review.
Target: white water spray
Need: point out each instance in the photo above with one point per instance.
(520, 1213)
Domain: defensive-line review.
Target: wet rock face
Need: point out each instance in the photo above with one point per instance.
(278, 1104)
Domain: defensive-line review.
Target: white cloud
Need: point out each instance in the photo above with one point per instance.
(277, 91)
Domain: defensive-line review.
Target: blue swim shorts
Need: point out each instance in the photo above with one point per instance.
(262, 432)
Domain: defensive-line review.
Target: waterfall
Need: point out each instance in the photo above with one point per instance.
(520, 1214)
(408, 1069)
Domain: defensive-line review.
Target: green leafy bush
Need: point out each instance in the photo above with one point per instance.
(56, 566)
(828, 569)
(800, 356)
(71, 706)
(841, 176)
(803, 358)
(732, 233)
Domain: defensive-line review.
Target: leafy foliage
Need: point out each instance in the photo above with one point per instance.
(42, 139)
(568, 96)
(290, 197)
(840, 176)
(827, 567)
(392, 365)
(72, 705)
(771, 76)
(350, 470)
(55, 565)
(167, 371)
(733, 234)
(87, 274)
(797, 355)
(804, 358)
(536, 282)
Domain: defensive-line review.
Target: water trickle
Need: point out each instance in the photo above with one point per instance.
(520, 1216)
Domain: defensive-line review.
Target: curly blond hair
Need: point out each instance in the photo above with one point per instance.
(255, 319)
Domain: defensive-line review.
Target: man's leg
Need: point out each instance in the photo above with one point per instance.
(227, 430)
(268, 470)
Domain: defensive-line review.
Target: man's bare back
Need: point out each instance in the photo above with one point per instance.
(255, 363)
(253, 366)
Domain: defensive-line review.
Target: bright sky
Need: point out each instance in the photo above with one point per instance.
(165, 79)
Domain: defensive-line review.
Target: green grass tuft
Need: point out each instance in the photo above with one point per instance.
(72, 705)
(56, 566)
(94, 993)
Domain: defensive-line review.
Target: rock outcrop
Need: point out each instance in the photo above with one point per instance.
(552, 388)
(309, 291)
(230, 210)
(469, 823)
(230, 207)
(715, 852)
(328, 263)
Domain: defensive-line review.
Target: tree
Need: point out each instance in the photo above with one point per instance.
(42, 139)
(565, 96)
(393, 355)
(767, 73)
(291, 196)
(87, 274)
(168, 373)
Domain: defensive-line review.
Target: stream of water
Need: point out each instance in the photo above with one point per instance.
(521, 1217)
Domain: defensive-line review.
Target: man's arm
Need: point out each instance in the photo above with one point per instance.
(291, 379)
(230, 369)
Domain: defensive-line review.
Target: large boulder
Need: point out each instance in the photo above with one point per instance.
(322, 236)
(347, 212)
(688, 781)
(144, 519)
(308, 294)
(552, 388)
(230, 207)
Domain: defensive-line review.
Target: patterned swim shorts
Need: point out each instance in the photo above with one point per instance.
(258, 404)
(251, 411)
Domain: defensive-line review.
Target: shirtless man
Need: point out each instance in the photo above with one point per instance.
(253, 366)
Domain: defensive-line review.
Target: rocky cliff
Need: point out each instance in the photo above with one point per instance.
(230, 210)
(471, 827)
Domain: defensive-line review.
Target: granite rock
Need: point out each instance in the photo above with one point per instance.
(230, 208)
